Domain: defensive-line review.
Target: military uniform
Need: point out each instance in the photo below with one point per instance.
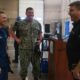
(28, 33)
(73, 46)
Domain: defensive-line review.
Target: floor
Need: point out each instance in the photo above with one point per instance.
(16, 67)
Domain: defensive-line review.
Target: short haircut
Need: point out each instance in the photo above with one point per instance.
(76, 4)
(29, 8)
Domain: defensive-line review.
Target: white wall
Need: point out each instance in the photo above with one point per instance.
(10, 7)
(52, 10)
(64, 13)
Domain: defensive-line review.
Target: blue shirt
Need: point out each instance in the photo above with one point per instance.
(3, 46)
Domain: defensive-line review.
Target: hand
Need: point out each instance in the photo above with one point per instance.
(18, 41)
(76, 72)
(38, 42)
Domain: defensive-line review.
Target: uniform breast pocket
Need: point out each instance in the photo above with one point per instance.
(23, 32)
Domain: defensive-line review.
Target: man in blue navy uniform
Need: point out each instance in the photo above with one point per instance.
(4, 61)
(73, 44)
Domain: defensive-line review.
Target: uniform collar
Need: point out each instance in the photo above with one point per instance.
(26, 20)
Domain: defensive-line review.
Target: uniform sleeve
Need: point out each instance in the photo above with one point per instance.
(16, 29)
(15, 26)
(6, 28)
(7, 31)
(40, 28)
(40, 32)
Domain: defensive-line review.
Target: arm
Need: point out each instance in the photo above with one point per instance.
(11, 32)
(76, 71)
(39, 39)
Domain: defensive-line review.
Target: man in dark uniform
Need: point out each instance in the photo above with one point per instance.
(4, 61)
(73, 44)
(16, 45)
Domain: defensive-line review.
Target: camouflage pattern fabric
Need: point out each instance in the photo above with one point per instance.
(28, 33)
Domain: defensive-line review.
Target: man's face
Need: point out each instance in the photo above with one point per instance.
(74, 13)
(3, 19)
(30, 15)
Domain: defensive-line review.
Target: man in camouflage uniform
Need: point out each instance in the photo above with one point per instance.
(29, 31)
